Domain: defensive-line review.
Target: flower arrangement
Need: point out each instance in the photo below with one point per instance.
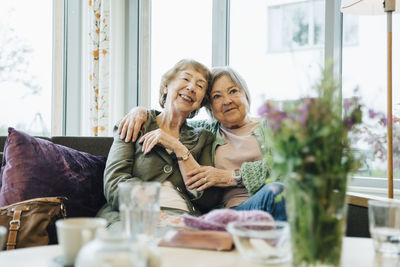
(313, 156)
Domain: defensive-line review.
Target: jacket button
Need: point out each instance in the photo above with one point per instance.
(179, 189)
(167, 169)
(193, 208)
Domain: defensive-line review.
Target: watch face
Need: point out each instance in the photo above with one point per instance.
(237, 173)
(185, 157)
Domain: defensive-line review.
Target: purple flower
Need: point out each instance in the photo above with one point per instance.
(372, 114)
(276, 120)
(348, 122)
(346, 104)
(262, 111)
(270, 108)
(305, 110)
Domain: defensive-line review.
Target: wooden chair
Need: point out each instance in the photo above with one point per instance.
(357, 214)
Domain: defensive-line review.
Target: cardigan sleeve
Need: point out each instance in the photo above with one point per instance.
(256, 174)
(203, 124)
(118, 168)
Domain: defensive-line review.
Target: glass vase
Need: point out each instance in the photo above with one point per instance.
(317, 217)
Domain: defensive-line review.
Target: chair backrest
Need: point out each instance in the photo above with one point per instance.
(357, 214)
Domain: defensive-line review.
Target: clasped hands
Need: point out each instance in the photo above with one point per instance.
(198, 179)
(151, 139)
(207, 176)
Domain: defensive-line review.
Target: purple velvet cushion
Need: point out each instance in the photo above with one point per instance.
(33, 167)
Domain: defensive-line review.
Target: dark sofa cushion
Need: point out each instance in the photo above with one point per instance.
(34, 167)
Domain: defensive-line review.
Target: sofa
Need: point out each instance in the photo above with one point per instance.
(71, 167)
(357, 218)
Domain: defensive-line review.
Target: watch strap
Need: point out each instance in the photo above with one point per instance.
(184, 156)
(237, 175)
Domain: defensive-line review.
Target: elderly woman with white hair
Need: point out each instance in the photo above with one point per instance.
(237, 152)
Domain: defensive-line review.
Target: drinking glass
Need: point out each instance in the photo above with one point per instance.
(384, 226)
(139, 206)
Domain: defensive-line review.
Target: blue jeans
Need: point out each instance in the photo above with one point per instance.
(269, 199)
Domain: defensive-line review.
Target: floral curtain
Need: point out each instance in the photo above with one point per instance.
(99, 66)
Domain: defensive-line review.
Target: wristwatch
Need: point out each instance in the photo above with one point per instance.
(237, 175)
(184, 156)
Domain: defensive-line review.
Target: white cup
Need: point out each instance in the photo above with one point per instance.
(3, 232)
(73, 233)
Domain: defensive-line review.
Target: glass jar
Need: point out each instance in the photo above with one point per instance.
(109, 249)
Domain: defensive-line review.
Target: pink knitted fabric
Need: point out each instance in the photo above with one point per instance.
(218, 219)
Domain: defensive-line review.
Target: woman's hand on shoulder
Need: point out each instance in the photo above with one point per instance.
(208, 176)
(153, 138)
(131, 124)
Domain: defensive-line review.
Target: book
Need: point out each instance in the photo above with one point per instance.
(198, 239)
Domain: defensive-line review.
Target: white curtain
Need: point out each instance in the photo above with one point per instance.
(104, 65)
(99, 66)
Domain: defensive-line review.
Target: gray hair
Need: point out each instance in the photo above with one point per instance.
(236, 78)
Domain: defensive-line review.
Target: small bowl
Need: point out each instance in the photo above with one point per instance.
(3, 232)
(262, 241)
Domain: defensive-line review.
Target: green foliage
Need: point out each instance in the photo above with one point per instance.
(312, 154)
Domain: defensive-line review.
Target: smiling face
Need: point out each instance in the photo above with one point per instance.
(186, 91)
(229, 103)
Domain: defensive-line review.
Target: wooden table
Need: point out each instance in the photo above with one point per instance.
(356, 252)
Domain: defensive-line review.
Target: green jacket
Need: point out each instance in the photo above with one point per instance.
(254, 174)
(126, 161)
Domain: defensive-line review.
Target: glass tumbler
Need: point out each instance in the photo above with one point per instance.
(139, 205)
(384, 226)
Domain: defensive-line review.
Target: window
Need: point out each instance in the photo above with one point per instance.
(277, 45)
(277, 76)
(364, 68)
(300, 25)
(26, 66)
(296, 25)
(180, 29)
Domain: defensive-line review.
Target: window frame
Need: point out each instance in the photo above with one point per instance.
(138, 59)
(57, 105)
(220, 32)
(72, 101)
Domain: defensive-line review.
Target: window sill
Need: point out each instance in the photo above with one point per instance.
(359, 199)
(372, 191)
